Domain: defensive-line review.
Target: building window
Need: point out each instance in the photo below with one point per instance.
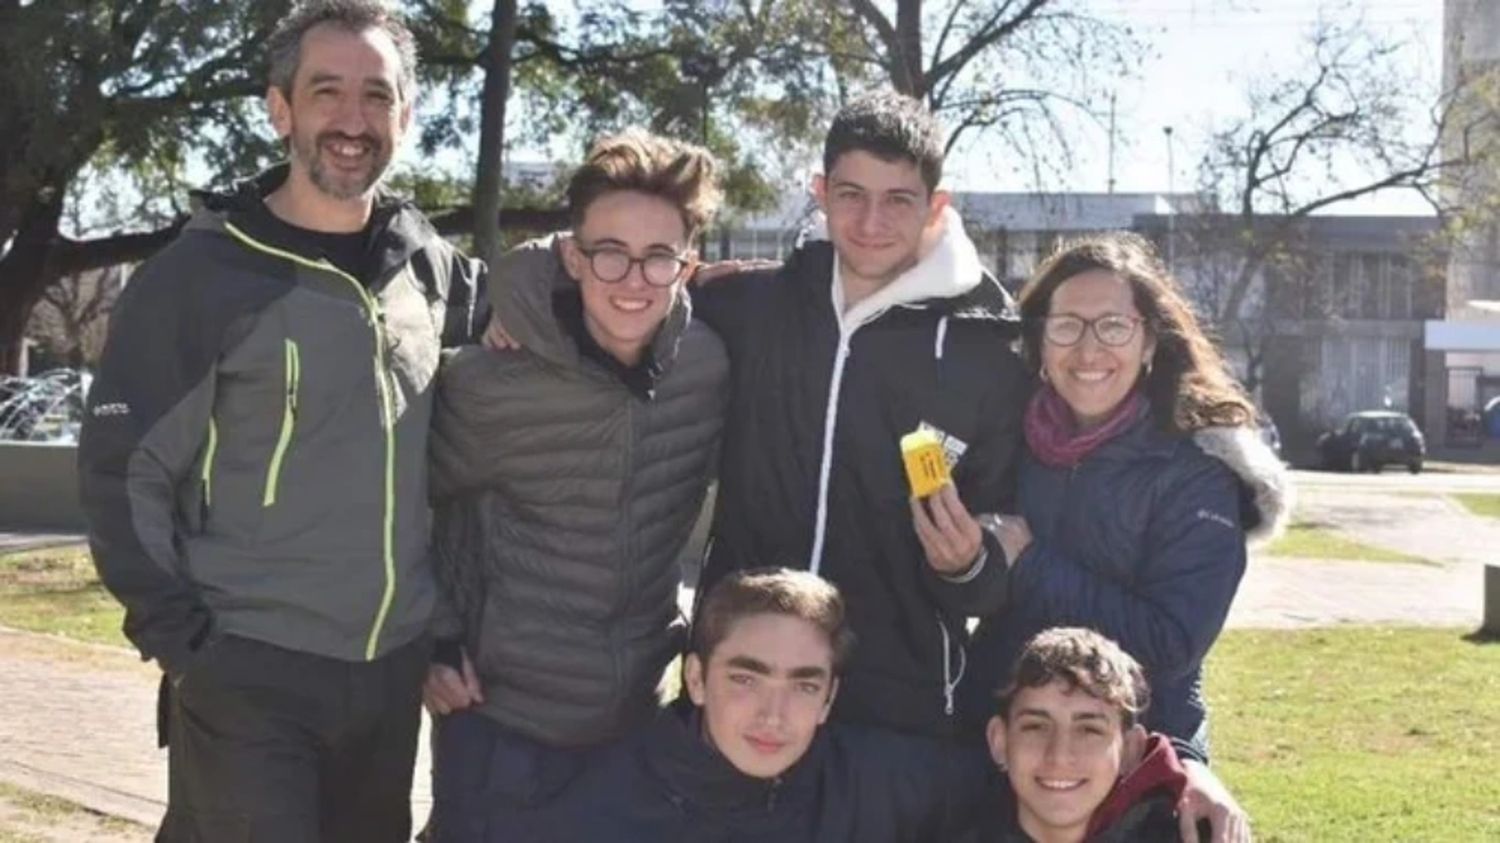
(1345, 287)
(1369, 286)
(1398, 288)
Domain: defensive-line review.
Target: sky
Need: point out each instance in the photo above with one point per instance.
(1202, 53)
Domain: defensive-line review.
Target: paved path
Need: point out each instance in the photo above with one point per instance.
(78, 721)
(1279, 592)
(15, 541)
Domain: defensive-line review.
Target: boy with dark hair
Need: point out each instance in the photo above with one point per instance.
(749, 757)
(889, 326)
(1079, 765)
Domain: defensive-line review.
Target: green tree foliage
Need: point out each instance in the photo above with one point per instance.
(123, 84)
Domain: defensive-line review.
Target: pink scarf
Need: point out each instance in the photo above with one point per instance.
(1053, 435)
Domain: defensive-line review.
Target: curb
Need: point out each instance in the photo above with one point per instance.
(91, 797)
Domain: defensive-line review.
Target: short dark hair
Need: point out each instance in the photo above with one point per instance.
(773, 591)
(681, 173)
(284, 47)
(1081, 659)
(891, 127)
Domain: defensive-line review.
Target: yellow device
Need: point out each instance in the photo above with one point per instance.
(926, 465)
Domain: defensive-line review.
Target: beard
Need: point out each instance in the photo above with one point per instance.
(334, 181)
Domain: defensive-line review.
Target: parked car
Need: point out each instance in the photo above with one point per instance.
(1371, 440)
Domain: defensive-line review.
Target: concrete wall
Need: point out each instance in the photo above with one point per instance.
(39, 486)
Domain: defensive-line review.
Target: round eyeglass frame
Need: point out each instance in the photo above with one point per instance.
(681, 262)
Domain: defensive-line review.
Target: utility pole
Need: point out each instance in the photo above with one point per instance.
(1171, 203)
(1111, 141)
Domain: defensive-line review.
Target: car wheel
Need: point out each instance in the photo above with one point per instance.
(1414, 467)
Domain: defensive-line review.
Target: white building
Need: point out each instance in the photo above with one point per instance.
(1462, 351)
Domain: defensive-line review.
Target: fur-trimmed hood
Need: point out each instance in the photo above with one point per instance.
(1272, 495)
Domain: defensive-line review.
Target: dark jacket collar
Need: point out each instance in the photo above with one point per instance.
(640, 378)
(691, 769)
(1142, 440)
(397, 229)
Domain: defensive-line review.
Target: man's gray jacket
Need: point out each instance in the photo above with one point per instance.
(563, 502)
(253, 459)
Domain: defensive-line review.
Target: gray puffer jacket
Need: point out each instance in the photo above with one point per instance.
(563, 502)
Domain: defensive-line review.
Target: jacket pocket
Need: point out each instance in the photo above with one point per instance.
(288, 422)
(198, 497)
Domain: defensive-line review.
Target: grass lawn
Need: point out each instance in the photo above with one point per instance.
(1480, 504)
(1342, 734)
(1359, 733)
(27, 817)
(56, 590)
(1315, 541)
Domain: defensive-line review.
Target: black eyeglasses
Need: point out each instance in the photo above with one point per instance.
(1111, 329)
(611, 264)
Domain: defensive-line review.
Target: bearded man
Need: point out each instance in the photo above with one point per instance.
(253, 463)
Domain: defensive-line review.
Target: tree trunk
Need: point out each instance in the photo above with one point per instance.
(24, 274)
(913, 79)
(489, 177)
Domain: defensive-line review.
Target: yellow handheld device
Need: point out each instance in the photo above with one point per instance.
(926, 466)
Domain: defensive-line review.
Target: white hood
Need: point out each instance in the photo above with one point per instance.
(948, 269)
(1270, 483)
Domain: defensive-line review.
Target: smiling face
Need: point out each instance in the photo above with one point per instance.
(877, 211)
(623, 316)
(1063, 750)
(346, 115)
(766, 689)
(1093, 378)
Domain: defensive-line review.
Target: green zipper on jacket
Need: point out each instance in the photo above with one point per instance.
(208, 462)
(387, 418)
(288, 422)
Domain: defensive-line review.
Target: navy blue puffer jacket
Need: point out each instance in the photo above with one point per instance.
(854, 785)
(1143, 541)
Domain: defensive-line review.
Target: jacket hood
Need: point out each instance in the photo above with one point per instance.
(948, 277)
(1266, 492)
(1159, 770)
(397, 229)
(949, 269)
(1264, 476)
(529, 275)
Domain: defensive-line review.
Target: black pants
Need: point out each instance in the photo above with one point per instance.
(268, 744)
(487, 779)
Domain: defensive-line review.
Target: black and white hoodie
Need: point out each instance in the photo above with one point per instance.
(812, 476)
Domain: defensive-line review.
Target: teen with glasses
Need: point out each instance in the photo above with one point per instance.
(1142, 479)
(568, 476)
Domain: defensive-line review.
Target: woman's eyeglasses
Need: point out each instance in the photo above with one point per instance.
(1111, 329)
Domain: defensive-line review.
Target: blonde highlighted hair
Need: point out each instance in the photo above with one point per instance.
(636, 160)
